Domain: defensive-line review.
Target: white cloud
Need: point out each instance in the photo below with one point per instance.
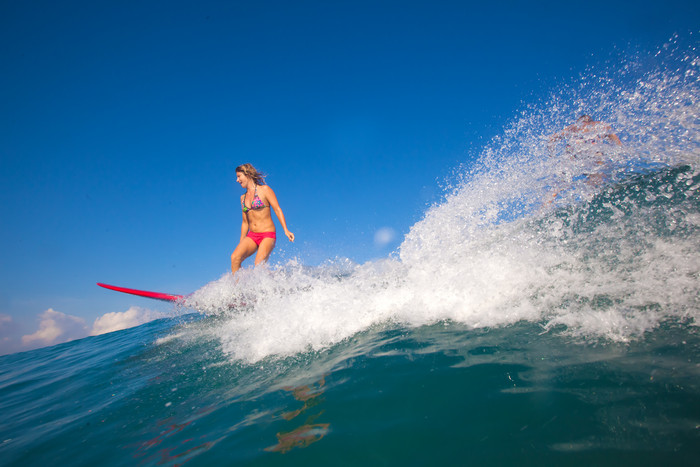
(56, 327)
(134, 316)
(384, 236)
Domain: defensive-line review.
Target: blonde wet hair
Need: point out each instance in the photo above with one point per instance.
(251, 172)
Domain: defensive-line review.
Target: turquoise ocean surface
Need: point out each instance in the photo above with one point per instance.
(544, 312)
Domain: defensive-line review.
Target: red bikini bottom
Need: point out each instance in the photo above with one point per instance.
(258, 237)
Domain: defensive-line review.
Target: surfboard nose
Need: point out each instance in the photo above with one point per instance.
(143, 293)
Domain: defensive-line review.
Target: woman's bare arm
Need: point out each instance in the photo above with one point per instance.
(274, 204)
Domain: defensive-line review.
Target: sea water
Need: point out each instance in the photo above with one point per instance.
(543, 313)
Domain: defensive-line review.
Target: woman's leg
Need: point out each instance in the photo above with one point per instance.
(264, 250)
(244, 249)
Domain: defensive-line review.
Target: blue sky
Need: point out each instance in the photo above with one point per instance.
(121, 123)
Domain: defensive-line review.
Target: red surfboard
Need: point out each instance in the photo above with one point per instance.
(144, 293)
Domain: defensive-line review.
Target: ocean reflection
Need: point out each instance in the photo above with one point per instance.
(310, 432)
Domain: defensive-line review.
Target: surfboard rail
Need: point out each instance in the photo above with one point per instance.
(144, 293)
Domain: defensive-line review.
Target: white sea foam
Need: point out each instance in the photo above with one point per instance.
(503, 248)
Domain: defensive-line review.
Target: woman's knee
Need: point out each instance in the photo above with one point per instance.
(236, 257)
(242, 252)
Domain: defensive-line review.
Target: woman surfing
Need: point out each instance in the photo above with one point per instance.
(257, 230)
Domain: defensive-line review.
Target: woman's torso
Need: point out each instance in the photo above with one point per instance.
(256, 208)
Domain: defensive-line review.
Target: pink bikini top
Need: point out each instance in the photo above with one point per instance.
(255, 205)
